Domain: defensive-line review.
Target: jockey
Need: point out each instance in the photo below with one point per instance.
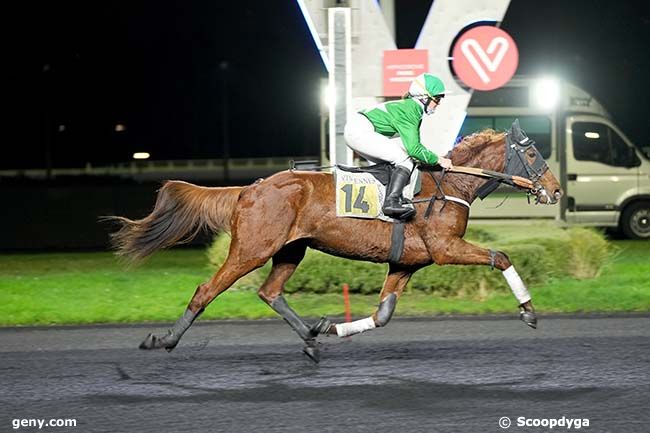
(370, 133)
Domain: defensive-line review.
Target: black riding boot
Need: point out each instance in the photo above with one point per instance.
(393, 202)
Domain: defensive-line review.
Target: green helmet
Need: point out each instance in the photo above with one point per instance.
(427, 85)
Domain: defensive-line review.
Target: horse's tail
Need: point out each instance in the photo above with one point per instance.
(181, 211)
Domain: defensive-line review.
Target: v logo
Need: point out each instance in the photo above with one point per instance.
(471, 49)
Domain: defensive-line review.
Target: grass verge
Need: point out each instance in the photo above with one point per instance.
(539, 255)
(74, 288)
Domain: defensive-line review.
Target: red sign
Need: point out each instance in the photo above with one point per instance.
(485, 58)
(401, 67)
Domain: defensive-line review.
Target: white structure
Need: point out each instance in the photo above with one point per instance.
(445, 20)
(340, 82)
(370, 35)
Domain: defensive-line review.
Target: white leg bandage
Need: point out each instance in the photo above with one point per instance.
(356, 327)
(516, 285)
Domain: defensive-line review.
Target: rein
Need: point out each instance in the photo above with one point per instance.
(519, 181)
(516, 143)
(443, 197)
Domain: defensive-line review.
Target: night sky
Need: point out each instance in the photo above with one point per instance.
(166, 70)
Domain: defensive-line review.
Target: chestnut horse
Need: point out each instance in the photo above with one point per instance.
(279, 217)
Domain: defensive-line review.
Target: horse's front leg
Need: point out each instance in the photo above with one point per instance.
(393, 286)
(460, 252)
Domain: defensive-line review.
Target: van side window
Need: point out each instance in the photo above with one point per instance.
(599, 143)
(538, 128)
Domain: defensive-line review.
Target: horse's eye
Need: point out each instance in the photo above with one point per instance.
(531, 154)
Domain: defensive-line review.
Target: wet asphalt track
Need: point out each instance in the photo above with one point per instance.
(413, 376)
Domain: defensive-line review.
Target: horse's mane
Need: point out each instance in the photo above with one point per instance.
(473, 144)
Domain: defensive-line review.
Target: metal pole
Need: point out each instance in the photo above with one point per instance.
(340, 79)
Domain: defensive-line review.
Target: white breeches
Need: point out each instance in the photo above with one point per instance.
(362, 138)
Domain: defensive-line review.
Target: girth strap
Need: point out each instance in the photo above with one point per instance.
(396, 242)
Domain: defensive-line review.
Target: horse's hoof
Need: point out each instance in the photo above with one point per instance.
(148, 343)
(529, 318)
(154, 342)
(322, 327)
(311, 350)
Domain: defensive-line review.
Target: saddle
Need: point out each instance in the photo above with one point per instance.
(360, 191)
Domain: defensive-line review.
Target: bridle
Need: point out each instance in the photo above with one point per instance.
(516, 164)
(520, 165)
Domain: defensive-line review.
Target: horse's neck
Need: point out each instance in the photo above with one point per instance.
(465, 186)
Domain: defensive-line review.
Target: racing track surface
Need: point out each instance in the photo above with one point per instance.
(413, 376)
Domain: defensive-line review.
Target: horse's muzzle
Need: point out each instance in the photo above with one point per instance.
(544, 198)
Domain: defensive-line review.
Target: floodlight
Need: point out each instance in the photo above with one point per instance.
(329, 96)
(546, 93)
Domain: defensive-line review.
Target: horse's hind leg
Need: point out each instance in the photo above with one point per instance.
(393, 286)
(260, 227)
(285, 263)
(233, 268)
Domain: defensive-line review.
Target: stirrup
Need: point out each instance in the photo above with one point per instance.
(403, 213)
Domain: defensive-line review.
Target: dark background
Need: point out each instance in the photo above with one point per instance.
(165, 69)
(176, 72)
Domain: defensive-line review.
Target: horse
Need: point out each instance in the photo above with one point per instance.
(279, 217)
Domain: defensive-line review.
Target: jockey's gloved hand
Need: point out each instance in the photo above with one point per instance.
(445, 162)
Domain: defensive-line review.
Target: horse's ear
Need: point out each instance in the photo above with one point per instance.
(515, 125)
(516, 133)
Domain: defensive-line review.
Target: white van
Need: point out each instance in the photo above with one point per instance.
(606, 179)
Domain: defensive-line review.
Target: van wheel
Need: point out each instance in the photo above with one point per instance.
(635, 220)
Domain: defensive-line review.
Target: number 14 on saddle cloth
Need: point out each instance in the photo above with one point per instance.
(361, 194)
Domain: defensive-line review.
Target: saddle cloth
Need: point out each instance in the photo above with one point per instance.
(360, 192)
